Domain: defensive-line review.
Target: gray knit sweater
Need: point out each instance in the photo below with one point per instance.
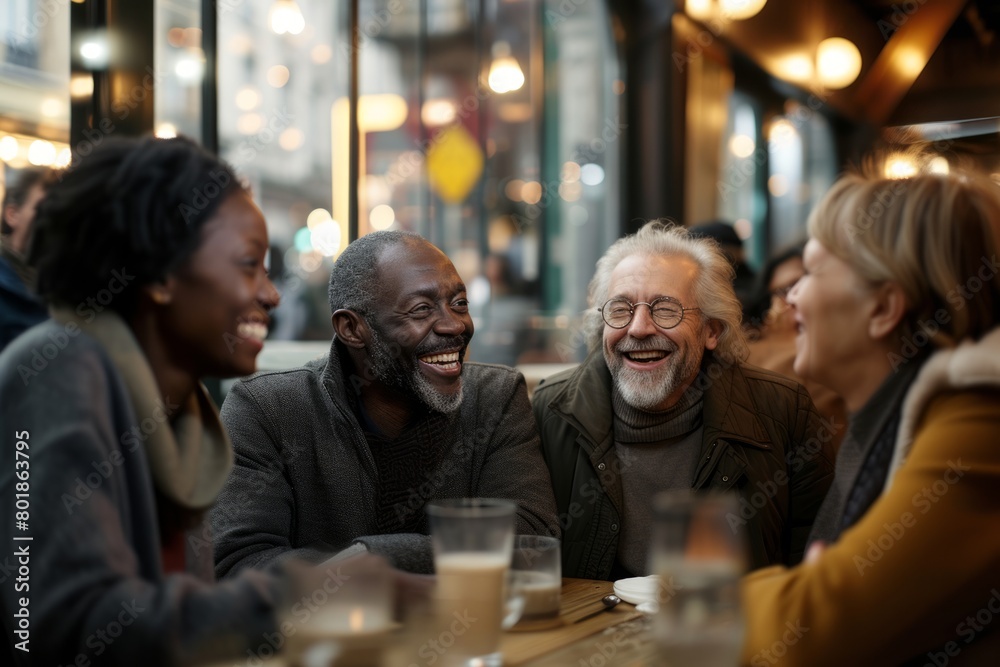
(305, 483)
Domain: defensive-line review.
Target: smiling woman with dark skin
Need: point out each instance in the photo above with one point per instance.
(151, 255)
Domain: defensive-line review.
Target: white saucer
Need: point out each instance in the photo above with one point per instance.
(637, 589)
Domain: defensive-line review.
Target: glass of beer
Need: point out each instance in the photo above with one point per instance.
(473, 540)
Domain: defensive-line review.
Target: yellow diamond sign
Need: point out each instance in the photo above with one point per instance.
(454, 164)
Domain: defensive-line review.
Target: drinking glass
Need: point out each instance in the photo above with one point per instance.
(473, 540)
(536, 575)
(699, 558)
(346, 616)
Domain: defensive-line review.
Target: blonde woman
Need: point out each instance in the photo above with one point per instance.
(898, 313)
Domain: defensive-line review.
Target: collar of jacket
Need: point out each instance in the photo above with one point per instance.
(728, 414)
(333, 374)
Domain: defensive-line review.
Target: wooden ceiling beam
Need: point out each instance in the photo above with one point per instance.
(914, 38)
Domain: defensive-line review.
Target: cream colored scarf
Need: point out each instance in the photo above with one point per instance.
(189, 453)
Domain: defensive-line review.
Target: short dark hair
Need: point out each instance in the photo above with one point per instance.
(132, 204)
(354, 277)
(17, 193)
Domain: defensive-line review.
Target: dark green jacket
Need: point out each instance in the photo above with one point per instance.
(762, 438)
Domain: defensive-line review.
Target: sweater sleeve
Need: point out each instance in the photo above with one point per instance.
(91, 583)
(253, 518)
(910, 576)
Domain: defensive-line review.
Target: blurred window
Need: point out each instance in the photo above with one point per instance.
(803, 166)
(34, 85)
(492, 128)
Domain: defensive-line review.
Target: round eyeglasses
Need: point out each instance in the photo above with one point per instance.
(782, 292)
(666, 312)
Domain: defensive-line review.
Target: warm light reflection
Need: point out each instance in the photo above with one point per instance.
(94, 52)
(356, 620)
(739, 10)
(285, 17)
(175, 37)
(321, 53)
(191, 68)
(782, 131)
(52, 108)
(570, 191)
(531, 192)
(513, 189)
(437, 112)
(939, 165)
(277, 76)
(64, 158)
(241, 44)
(316, 217)
(796, 67)
(382, 217)
(249, 123)
(909, 61)
(698, 9)
(291, 139)
(381, 113)
(166, 131)
(570, 172)
(741, 145)
(505, 74)
(247, 98)
(41, 153)
(777, 185)
(838, 62)
(900, 166)
(326, 238)
(8, 148)
(81, 86)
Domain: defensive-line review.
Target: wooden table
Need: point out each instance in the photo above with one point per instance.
(618, 636)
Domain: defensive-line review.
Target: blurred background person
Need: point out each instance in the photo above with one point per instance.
(500, 311)
(732, 246)
(151, 254)
(898, 313)
(771, 330)
(20, 308)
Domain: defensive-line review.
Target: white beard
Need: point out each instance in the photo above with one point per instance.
(647, 390)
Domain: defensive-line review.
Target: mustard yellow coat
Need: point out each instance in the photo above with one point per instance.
(918, 577)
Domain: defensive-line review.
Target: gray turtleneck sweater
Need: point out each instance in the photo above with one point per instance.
(658, 451)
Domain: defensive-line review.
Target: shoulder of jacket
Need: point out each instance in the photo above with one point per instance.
(491, 371)
(760, 379)
(284, 385)
(490, 386)
(551, 385)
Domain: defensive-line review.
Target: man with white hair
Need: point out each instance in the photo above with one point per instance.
(664, 402)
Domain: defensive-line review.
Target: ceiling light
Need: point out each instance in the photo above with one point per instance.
(505, 74)
(739, 10)
(285, 17)
(838, 62)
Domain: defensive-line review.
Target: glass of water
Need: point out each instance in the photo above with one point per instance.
(699, 557)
